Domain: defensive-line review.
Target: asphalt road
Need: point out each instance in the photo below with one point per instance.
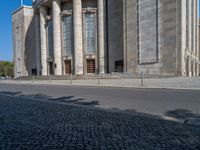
(173, 104)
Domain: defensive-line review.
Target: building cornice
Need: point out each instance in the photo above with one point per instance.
(18, 9)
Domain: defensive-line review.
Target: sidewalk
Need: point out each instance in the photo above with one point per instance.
(160, 83)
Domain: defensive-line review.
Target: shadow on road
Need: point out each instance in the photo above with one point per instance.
(65, 99)
(182, 114)
(29, 124)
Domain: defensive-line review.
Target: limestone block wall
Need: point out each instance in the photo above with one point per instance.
(115, 32)
(151, 32)
(89, 4)
(168, 36)
(148, 31)
(130, 36)
(30, 40)
(67, 5)
(23, 41)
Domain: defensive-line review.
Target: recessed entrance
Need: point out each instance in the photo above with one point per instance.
(34, 72)
(68, 67)
(51, 68)
(119, 66)
(90, 65)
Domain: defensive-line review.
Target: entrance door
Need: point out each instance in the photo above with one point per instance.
(91, 66)
(68, 67)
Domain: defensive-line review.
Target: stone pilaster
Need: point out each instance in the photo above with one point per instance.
(194, 26)
(37, 40)
(78, 37)
(101, 36)
(190, 67)
(198, 40)
(57, 36)
(189, 31)
(43, 40)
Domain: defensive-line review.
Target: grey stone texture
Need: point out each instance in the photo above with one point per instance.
(150, 36)
(101, 36)
(148, 31)
(78, 36)
(56, 8)
(176, 29)
(43, 40)
(115, 32)
(23, 41)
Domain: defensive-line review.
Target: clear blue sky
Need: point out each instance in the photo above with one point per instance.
(6, 8)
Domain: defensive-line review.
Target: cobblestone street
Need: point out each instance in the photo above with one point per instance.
(41, 124)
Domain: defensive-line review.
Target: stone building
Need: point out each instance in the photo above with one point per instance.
(58, 37)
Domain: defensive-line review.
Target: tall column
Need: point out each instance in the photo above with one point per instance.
(37, 38)
(189, 25)
(101, 37)
(78, 37)
(194, 25)
(43, 40)
(198, 40)
(57, 37)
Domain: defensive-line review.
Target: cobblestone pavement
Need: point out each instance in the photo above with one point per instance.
(40, 124)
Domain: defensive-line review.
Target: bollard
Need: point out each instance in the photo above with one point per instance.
(49, 78)
(142, 79)
(99, 79)
(33, 78)
(71, 78)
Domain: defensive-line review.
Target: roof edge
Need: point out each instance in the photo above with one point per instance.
(21, 7)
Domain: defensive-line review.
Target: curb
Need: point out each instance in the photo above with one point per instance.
(100, 86)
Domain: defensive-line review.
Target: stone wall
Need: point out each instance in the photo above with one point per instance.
(151, 32)
(148, 31)
(115, 32)
(23, 41)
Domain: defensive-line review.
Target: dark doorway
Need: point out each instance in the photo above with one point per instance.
(51, 68)
(91, 66)
(68, 67)
(34, 72)
(187, 67)
(119, 66)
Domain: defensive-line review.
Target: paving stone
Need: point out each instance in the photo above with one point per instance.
(35, 124)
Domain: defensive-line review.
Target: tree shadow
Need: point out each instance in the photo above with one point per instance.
(64, 99)
(71, 100)
(182, 114)
(10, 93)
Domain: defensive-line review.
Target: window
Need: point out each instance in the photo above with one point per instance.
(90, 33)
(50, 39)
(67, 35)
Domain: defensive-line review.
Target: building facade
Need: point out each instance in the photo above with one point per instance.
(58, 37)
